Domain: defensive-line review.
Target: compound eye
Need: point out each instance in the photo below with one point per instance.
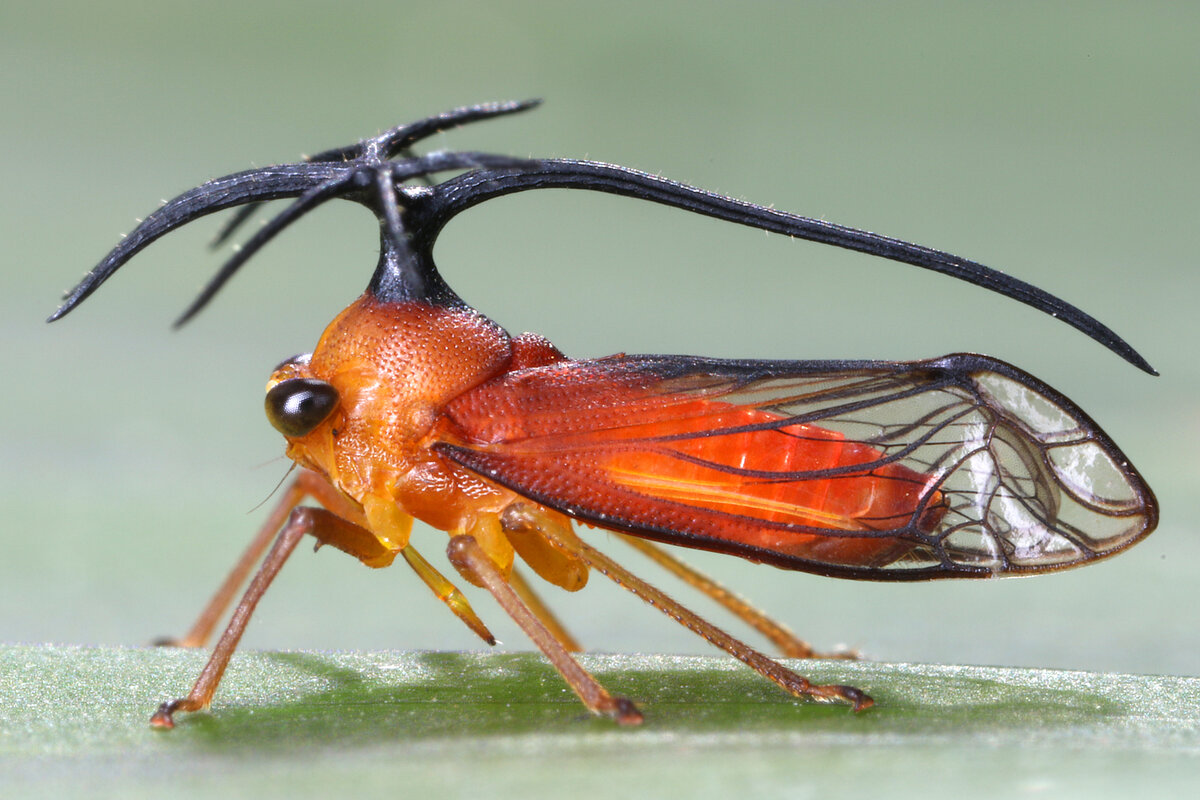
(298, 405)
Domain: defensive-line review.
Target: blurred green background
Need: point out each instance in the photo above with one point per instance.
(1054, 141)
(1059, 145)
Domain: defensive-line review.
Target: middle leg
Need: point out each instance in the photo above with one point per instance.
(466, 554)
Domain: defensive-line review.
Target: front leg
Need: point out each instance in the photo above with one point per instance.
(339, 525)
(306, 484)
(328, 528)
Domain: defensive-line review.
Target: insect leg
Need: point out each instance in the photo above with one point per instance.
(306, 484)
(360, 544)
(466, 554)
(772, 670)
(447, 592)
(787, 642)
(522, 524)
(530, 598)
(322, 524)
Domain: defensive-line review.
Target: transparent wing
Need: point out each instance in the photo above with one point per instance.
(962, 466)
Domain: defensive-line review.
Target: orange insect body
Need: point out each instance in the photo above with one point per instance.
(411, 375)
(414, 405)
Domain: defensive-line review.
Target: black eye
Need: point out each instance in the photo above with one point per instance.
(298, 405)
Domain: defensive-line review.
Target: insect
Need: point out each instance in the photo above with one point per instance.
(415, 405)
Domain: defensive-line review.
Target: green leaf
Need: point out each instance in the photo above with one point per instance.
(75, 723)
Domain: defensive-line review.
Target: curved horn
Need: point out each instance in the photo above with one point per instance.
(460, 193)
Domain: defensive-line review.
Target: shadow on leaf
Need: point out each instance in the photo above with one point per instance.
(468, 696)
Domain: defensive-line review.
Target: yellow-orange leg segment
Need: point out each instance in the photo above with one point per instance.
(466, 554)
(772, 670)
(448, 593)
(788, 643)
(328, 528)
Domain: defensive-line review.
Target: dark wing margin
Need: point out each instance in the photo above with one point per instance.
(1006, 476)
